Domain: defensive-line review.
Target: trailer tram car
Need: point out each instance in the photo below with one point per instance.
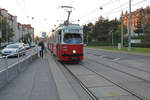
(66, 42)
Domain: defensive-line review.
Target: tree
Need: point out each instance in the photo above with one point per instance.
(115, 26)
(101, 29)
(87, 30)
(10, 30)
(118, 32)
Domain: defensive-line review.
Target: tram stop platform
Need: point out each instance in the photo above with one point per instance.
(42, 80)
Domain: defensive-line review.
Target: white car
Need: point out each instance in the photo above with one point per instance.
(27, 46)
(13, 50)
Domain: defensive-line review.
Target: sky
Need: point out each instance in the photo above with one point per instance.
(45, 15)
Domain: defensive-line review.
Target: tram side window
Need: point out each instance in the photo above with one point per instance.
(72, 38)
(60, 35)
(54, 37)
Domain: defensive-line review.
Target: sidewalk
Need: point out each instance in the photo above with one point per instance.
(35, 83)
(42, 80)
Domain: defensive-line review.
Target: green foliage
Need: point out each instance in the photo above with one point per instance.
(100, 33)
(101, 43)
(102, 30)
(135, 50)
(87, 29)
(3, 25)
(143, 38)
(143, 45)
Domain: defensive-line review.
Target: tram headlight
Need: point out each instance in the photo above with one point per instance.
(74, 51)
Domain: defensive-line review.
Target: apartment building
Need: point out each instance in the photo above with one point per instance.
(19, 30)
(140, 16)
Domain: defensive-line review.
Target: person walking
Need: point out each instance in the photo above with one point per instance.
(41, 48)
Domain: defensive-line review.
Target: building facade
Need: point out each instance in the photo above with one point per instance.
(138, 18)
(19, 30)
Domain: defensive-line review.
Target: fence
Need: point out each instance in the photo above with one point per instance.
(9, 70)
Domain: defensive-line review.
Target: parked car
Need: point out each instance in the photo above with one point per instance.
(27, 46)
(33, 44)
(14, 49)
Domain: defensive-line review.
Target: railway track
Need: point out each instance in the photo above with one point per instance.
(133, 71)
(114, 60)
(90, 93)
(117, 84)
(87, 65)
(81, 84)
(119, 70)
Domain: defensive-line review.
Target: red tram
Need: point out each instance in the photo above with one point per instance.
(66, 42)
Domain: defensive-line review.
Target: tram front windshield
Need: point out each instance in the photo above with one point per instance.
(72, 38)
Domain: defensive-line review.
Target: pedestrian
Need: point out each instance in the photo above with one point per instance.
(41, 48)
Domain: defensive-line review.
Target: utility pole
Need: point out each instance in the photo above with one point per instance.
(112, 38)
(122, 31)
(129, 35)
(87, 38)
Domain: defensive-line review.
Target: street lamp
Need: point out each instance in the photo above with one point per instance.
(101, 8)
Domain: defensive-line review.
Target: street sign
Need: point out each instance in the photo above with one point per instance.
(43, 34)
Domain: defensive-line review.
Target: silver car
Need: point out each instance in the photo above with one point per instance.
(27, 46)
(13, 50)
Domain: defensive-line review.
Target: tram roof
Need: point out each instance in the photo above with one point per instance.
(62, 26)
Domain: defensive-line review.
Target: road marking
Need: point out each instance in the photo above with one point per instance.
(116, 59)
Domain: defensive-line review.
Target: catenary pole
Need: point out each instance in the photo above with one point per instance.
(129, 35)
(122, 30)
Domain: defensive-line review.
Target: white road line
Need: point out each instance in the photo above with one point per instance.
(116, 59)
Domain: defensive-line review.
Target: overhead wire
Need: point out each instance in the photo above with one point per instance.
(70, 4)
(113, 11)
(23, 9)
(116, 11)
(97, 8)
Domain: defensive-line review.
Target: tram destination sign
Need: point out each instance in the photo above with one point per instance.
(73, 30)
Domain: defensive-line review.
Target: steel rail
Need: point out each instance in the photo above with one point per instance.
(80, 83)
(119, 70)
(117, 84)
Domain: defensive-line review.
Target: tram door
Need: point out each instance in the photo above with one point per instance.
(59, 43)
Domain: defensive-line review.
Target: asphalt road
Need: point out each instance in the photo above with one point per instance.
(129, 71)
(12, 60)
(139, 61)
